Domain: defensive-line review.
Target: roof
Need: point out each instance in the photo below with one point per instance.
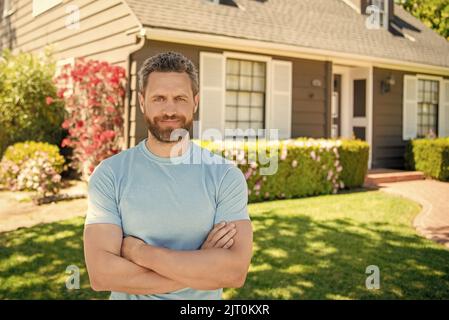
(319, 24)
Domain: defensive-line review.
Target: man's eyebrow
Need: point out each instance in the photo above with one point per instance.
(181, 94)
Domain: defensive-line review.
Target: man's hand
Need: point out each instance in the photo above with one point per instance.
(130, 247)
(221, 236)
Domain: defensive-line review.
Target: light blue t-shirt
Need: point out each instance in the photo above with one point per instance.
(167, 202)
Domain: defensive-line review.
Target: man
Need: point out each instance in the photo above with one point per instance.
(160, 226)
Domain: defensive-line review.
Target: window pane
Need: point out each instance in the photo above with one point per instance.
(243, 99)
(257, 114)
(257, 99)
(230, 125)
(243, 114)
(259, 84)
(232, 82)
(243, 125)
(232, 66)
(246, 68)
(420, 96)
(259, 69)
(245, 83)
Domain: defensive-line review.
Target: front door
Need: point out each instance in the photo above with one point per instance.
(351, 94)
(359, 86)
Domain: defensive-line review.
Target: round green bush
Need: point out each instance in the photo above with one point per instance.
(31, 166)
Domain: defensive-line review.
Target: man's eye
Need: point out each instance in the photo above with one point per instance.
(158, 99)
(181, 99)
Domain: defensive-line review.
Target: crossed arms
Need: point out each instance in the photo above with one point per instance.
(129, 265)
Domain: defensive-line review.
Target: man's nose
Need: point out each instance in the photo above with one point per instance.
(170, 108)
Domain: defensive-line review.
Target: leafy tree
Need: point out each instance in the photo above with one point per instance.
(433, 13)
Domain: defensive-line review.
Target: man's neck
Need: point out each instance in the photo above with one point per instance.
(167, 150)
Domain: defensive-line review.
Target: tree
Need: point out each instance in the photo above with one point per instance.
(433, 13)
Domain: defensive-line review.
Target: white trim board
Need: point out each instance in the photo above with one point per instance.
(348, 121)
(269, 48)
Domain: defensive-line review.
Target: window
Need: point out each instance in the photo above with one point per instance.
(382, 6)
(40, 6)
(245, 94)
(428, 96)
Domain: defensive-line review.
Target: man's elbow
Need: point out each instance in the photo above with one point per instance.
(237, 280)
(97, 282)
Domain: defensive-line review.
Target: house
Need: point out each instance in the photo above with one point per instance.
(314, 68)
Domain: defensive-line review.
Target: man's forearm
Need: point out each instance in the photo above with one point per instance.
(120, 275)
(199, 269)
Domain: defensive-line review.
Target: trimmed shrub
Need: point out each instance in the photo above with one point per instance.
(32, 166)
(354, 155)
(305, 167)
(431, 156)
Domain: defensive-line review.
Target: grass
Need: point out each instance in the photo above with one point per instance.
(311, 248)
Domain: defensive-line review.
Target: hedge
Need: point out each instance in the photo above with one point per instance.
(305, 167)
(431, 156)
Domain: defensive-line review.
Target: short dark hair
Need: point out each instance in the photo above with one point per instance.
(168, 62)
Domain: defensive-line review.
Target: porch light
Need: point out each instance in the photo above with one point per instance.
(386, 84)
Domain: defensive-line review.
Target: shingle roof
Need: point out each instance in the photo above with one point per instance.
(320, 24)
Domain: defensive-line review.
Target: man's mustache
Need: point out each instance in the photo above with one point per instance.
(165, 118)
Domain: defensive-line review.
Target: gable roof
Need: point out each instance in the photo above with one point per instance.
(318, 24)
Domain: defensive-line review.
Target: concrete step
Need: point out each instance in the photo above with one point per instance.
(378, 176)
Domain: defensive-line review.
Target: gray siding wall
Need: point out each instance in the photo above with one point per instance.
(388, 145)
(102, 33)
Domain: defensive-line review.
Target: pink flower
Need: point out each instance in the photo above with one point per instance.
(49, 100)
(294, 163)
(248, 173)
(313, 155)
(65, 142)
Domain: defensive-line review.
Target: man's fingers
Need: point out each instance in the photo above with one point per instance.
(225, 239)
(222, 232)
(228, 244)
(217, 227)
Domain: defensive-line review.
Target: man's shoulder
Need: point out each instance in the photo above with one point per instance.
(117, 161)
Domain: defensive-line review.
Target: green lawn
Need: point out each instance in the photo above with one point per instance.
(312, 248)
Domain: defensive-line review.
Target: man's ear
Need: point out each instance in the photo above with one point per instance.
(197, 102)
(141, 102)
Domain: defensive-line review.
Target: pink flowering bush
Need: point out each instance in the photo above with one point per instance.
(94, 93)
(32, 166)
(305, 167)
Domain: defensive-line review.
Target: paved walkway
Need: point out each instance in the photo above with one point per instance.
(433, 221)
(16, 214)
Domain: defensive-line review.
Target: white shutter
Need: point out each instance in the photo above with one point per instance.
(280, 113)
(212, 92)
(410, 108)
(443, 111)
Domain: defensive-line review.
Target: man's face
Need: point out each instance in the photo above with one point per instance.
(168, 104)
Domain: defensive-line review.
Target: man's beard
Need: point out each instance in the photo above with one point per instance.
(163, 134)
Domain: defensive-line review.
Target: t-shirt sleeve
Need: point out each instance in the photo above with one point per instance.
(232, 199)
(102, 205)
